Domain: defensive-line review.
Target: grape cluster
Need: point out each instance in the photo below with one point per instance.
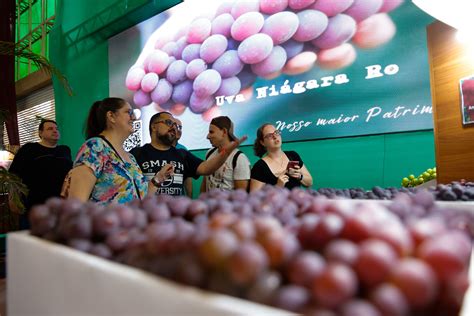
(455, 191)
(288, 249)
(223, 55)
(412, 181)
(377, 193)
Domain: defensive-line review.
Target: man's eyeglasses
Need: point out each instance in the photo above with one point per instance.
(170, 123)
(272, 135)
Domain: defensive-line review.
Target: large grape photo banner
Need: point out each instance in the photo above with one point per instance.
(313, 68)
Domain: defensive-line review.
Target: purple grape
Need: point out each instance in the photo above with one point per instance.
(305, 267)
(241, 7)
(134, 78)
(340, 29)
(281, 26)
(180, 45)
(291, 297)
(101, 250)
(299, 4)
(229, 64)
(162, 92)
(265, 287)
(179, 205)
(170, 48)
(362, 9)
(331, 7)
(222, 24)
(273, 63)
(118, 240)
(389, 5)
(141, 98)
(292, 48)
(246, 25)
(197, 207)
(207, 83)
(247, 262)
(390, 300)
(213, 47)
(191, 52)
(255, 48)
(83, 245)
(272, 6)
(105, 223)
(198, 31)
(224, 7)
(200, 105)
(195, 67)
(182, 92)
(229, 86)
(158, 212)
(359, 307)
(77, 226)
(312, 23)
(176, 72)
(149, 82)
(157, 62)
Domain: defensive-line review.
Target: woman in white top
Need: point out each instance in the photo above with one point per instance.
(235, 172)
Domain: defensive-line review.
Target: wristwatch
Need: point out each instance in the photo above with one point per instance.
(155, 182)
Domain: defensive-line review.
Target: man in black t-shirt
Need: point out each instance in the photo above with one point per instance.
(160, 152)
(42, 167)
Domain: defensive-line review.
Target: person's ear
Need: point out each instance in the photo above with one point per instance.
(110, 116)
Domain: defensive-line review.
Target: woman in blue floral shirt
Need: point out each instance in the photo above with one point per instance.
(103, 171)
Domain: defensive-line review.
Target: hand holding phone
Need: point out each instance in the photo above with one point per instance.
(292, 164)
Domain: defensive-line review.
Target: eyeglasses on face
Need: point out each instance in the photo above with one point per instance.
(272, 135)
(130, 112)
(170, 123)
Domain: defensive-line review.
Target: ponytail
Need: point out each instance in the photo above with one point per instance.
(97, 118)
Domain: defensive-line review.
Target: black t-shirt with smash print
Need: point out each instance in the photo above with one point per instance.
(151, 160)
(262, 172)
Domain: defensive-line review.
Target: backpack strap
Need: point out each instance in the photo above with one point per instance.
(210, 152)
(234, 160)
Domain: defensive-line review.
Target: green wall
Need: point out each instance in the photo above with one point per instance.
(365, 162)
(79, 49)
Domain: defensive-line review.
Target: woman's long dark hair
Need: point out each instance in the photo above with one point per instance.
(258, 148)
(97, 119)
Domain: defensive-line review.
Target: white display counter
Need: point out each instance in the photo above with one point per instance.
(45, 278)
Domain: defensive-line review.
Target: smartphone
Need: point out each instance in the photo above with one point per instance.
(292, 164)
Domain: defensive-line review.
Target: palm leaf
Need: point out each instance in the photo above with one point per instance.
(15, 188)
(17, 50)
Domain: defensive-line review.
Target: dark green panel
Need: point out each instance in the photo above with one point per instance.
(79, 49)
(407, 153)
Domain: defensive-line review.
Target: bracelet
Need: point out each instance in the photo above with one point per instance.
(155, 182)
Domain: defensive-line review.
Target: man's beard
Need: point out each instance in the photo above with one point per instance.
(167, 139)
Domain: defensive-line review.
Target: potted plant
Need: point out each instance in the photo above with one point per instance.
(12, 191)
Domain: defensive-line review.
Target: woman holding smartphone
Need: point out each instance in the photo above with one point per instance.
(277, 167)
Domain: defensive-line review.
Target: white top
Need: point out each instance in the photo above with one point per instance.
(223, 178)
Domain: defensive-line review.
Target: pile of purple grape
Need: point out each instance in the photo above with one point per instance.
(454, 191)
(288, 249)
(221, 56)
